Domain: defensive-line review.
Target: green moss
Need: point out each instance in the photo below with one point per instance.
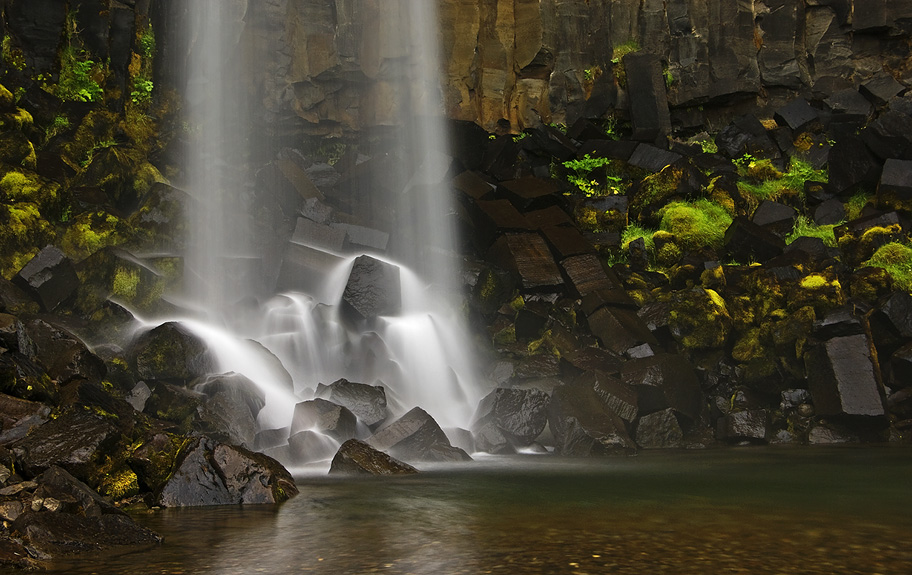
(125, 283)
(22, 233)
(89, 232)
(762, 180)
(18, 186)
(699, 319)
(633, 232)
(856, 204)
(822, 291)
(804, 227)
(697, 224)
(896, 259)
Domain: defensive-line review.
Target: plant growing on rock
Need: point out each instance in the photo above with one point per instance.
(697, 224)
(804, 227)
(896, 258)
(588, 185)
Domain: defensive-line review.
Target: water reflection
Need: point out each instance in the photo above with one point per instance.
(756, 511)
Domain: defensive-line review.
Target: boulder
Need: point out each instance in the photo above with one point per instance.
(852, 166)
(50, 278)
(75, 441)
(844, 378)
(170, 352)
(308, 446)
(372, 290)
(830, 212)
(777, 218)
(897, 311)
(586, 275)
(416, 437)
(530, 193)
(367, 402)
(529, 260)
(584, 426)
(664, 381)
(64, 355)
(61, 534)
(566, 241)
(659, 430)
(882, 88)
(358, 458)
(230, 407)
(325, 417)
(797, 115)
(211, 473)
(519, 414)
(748, 425)
(619, 329)
(19, 416)
(747, 241)
(895, 189)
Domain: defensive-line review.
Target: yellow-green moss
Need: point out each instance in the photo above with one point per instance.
(697, 224)
(18, 186)
(22, 231)
(125, 283)
(90, 232)
(896, 259)
(822, 291)
(804, 227)
(699, 319)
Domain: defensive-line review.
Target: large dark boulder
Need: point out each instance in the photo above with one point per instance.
(373, 289)
(416, 436)
(519, 414)
(62, 534)
(211, 473)
(844, 378)
(529, 260)
(583, 425)
(50, 278)
(170, 352)
(358, 458)
(649, 114)
(367, 402)
(230, 407)
(747, 425)
(747, 241)
(659, 430)
(64, 355)
(664, 381)
(325, 417)
(19, 416)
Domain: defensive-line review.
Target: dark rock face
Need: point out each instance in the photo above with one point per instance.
(211, 473)
(49, 278)
(416, 437)
(520, 415)
(659, 430)
(664, 381)
(843, 378)
(373, 290)
(367, 402)
(66, 357)
(326, 417)
(748, 425)
(583, 425)
(230, 408)
(530, 261)
(73, 441)
(648, 102)
(171, 353)
(358, 458)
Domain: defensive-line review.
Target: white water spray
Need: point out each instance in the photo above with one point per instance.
(419, 355)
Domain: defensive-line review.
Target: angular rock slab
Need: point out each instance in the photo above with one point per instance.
(843, 378)
(324, 416)
(211, 473)
(373, 290)
(49, 278)
(659, 430)
(358, 458)
(649, 114)
(748, 425)
(416, 436)
(528, 258)
(367, 402)
(73, 441)
(664, 381)
(584, 426)
(519, 414)
(61, 534)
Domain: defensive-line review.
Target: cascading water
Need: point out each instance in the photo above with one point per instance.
(419, 354)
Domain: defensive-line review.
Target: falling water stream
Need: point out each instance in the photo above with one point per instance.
(419, 355)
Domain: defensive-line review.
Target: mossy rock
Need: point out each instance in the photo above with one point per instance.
(89, 232)
(822, 291)
(695, 225)
(765, 292)
(680, 180)
(170, 352)
(23, 378)
(699, 319)
(154, 459)
(159, 222)
(22, 185)
(17, 119)
(492, 289)
(17, 150)
(789, 332)
(7, 100)
(97, 129)
(23, 232)
(114, 274)
(859, 247)
(869, 284)
(122, 174)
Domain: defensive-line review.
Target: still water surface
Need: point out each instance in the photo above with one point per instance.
(837, 510)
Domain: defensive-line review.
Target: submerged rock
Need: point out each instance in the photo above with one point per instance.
(358, 458)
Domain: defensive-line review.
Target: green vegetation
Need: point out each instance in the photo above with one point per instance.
(804, 227)
(896, 258)
(763, 181)
(80, 78)
(633, 232)
(855, 205)
(12, 55)
(697, 224)
(141, 67)
(583, 180)
(622, 50)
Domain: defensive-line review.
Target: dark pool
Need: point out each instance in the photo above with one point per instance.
(752, 510)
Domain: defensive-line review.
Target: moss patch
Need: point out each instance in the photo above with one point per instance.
(696, 224)
(896, 259)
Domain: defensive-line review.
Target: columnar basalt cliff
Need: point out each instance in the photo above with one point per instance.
(328, 67)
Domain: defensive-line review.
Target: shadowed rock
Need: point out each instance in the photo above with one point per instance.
(170, 352)
(49, 277)
(583, 425)
(372, 290)
(358, 458)
(664, 381)
(659, 430)
(416, 437)
(308, 446)
(324, 416)
(519, 414)
(367, 402)
(748, 425)
(73, 441)
(211, 473)
(64, 355)
(530, 261)
(230, 407)
(843, 378)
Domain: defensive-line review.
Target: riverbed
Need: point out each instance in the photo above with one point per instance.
(739, 510)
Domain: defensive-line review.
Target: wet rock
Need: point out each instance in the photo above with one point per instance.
(361, 238)
(586, 275)
(829, 435)
(796, 115)
(19, 416)
(901, 364)
(49, 278)
(416, 437)
(57, 482)
(619, 329)
(74, 441)
(843, 377)
(851, 166)
(268, 438)
(64, 355)
(138, 396)
(302, 266)
(210, 473)
(60, 534)
(175, 404)
(529, 260)
(519, 414)
(659, 430)
(584, 426)
(15, 301)
(231, 407)
(664, 381)
(746, 241)
(170, 352)
(13, 336)
(489, 439)
(326, 417)
(372, 290)
(830, 212)
(881, 89)
(308, 446)
(530, 193)
(749, 425)
(895, 188)
(22, 377)
(325, 237)
(367, 402)
(358, 458)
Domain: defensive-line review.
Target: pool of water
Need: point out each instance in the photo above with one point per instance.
(752, 510)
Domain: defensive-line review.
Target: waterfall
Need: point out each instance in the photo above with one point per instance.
(420, 354)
